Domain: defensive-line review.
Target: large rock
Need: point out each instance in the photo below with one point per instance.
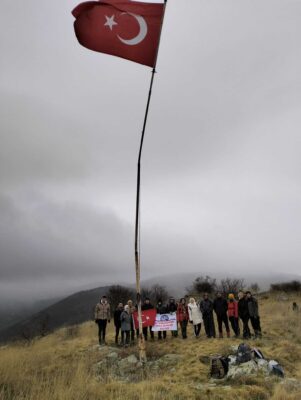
(291, 385)
(129, 369)
(169, 359)
(245, 369)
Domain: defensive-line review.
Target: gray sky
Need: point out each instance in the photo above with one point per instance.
(221, 162)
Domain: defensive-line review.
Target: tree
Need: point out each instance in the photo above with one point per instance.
(155, 293)
(229, 285)
(293, 286)
(120, 294)
(255, 287)
(159, 293)
(204, 285)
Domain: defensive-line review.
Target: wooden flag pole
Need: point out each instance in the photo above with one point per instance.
(141, 344)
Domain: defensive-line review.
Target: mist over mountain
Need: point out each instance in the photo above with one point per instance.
(28, 321)
(72, 310)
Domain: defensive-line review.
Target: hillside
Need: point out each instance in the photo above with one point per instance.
(65, 365)
(18, 321)
(12, 312)
(74, 309)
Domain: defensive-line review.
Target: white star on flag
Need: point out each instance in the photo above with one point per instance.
(110, 22)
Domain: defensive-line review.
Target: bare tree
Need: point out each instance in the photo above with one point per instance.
(159, 293)
(155, 293)
(120, 294)
(204, 285)
(229, 285)
(255, 287)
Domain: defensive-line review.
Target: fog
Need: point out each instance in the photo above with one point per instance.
(221, 161)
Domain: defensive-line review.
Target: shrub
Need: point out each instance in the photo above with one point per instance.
(204, 285)
(229, 285)
(292, 286)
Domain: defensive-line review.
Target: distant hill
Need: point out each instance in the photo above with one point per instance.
(15, 311)
(78, 308)
(177, 283)
(74, 309)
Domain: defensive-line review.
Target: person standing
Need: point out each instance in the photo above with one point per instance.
(125, 319)
(243, 313)
(161, 309)
(147, 306)
(132, 309)
(206, 307)
(117, 321)
(220, 307)
(233, 314)
(183, 317)
(172, 308)
(195, 316)
(102, 317)
(254, 314)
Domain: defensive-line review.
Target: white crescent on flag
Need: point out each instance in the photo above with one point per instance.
(142, 32)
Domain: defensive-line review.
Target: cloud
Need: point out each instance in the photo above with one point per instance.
(220, 168)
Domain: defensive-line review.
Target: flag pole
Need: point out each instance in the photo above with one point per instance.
(141, 343)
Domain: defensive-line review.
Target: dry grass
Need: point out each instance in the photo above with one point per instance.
(61, 366)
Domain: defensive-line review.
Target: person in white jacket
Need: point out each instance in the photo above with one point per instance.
(195, 316)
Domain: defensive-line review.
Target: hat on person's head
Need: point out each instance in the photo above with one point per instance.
(231, 296)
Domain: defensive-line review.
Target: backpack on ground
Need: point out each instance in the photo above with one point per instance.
(244, 353)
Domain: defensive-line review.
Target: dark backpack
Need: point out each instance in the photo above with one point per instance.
(244, 353)
(219, 367)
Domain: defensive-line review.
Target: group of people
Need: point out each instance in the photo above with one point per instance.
(245, 308)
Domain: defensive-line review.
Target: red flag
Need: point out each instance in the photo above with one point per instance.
(122, 28)
(148, 318)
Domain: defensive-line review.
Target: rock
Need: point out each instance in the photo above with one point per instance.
(204, 359)
(247, 368)
(262, 364)
(232, 360)
(112, 356)
(291, 384)
(128, 365)
(132, 359)
(169, 359)
(282, 297)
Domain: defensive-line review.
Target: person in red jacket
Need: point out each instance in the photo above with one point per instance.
(233, 314)
(183, 317)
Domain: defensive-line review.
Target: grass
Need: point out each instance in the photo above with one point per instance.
(61, 366)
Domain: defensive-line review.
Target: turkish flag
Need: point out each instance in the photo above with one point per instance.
(126, 29)
(148, 318)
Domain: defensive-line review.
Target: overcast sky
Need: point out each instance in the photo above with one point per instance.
(221, 163)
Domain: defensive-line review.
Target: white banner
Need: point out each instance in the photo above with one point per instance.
(165, 322)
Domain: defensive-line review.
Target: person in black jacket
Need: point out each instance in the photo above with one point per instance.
(206, 307)
(117, 321)
(147, 306)
(254, 314)
(172, 308)
(243, 313)
(220, 307)
(161, 309)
